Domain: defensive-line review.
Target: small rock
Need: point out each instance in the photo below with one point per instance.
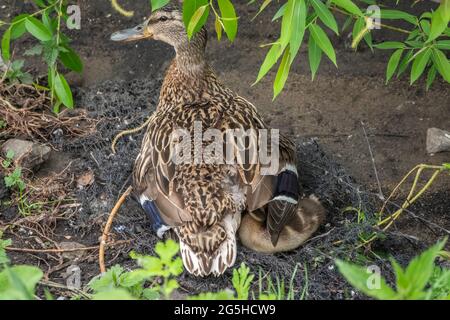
(72, 255)
(437, 140)
(85, 180)
(27, 154)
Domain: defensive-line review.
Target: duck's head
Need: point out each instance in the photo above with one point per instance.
(165, 24)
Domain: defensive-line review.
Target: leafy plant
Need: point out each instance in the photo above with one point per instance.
(423, 47)
(45, 25)
(14, 180)
(19, 282)
(165, 267)
(421, 279)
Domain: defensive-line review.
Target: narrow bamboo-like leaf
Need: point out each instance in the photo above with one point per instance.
(349, 6)
(230, 22)
(390, 45)
(282, 74)
(404, 63)
(442, 64)
(438, 23)
(63, 91)
(323, 42)
(393, 64)
(325, 15)
(195, 20)
(218, 27)
(6, 45)
(38, 29)
(286, 23)
(262, 7)
(298, 27)
(389, 14)
(357, 34)
(431, 76)
(280, 12)
(314, 55)
(157, 4)
(271, 58)
(443, 44)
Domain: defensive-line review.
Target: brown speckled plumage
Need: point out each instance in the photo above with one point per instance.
(203, 202)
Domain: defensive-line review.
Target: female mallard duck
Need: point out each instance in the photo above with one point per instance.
(202, 200)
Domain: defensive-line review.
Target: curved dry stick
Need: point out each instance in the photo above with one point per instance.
(30, 250)
(101, 251)
(129, 131)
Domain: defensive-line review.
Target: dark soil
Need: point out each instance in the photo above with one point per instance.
(327, 117)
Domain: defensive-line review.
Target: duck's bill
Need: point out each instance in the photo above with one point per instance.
(133, 34)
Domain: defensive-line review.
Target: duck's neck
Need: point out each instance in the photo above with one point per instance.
(186, 79)
(190, 55)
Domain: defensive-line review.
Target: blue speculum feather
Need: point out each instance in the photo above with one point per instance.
(287, 185)
(152, 212)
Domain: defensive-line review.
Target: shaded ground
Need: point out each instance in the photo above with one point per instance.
(328, 112)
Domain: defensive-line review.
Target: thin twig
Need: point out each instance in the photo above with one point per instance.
(380, 190)
(54, 250)
(101, 251)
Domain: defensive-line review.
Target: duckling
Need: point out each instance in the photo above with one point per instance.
(203, 200)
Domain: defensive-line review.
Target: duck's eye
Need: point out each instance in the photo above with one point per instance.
(163, 18)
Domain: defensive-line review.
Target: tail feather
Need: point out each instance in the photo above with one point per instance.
(203, 263)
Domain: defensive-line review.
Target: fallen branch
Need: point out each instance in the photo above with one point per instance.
(57, 250)
(101, 252)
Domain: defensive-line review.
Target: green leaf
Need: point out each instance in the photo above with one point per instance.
(390, 45)
(229, 20)
(431, 76)
(38, 29)
(271, 58)
(314, 55)
(218, 27)
(441, 63)
(113, 294)
(157, 4)
(323, 42)
(19, 282)
(438, 23)
(398, 15)
(405, 62)
(262, 7)
(18, 26)
(167, 251)
(6, 45)
(421, 268)
(349, 6)
(280, 12)
(195, 23)
(359, 276)
(282, 74)
(63, 91)
(393, 64)
(189, 8)
(286, 24)
(298, 27)
(71, 60)
(443, 44)
(419, 64)
(325, 15)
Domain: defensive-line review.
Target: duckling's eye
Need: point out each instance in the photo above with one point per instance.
(163, 18)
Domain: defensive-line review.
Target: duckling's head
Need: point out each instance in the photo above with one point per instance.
(165, 24)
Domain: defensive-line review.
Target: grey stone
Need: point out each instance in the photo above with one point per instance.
(27, 154)
(438, 140)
